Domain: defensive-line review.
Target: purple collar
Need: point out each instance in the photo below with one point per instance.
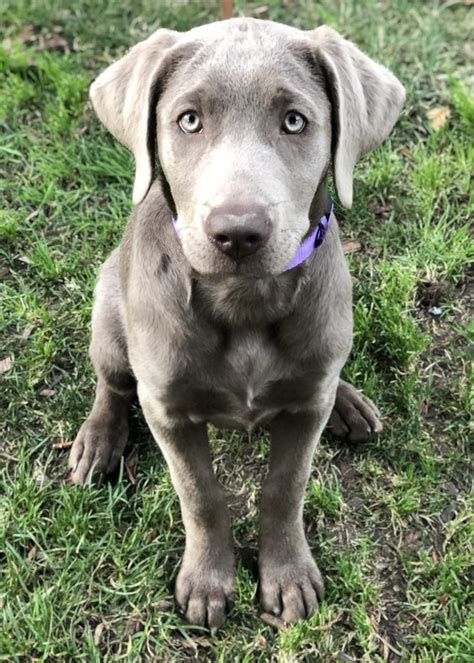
(309, 244)
(314, 240)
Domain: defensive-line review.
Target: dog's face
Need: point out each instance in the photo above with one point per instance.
(244, 138)
(246, 117)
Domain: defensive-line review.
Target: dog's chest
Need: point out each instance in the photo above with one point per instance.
(252, 364)
(246, 381)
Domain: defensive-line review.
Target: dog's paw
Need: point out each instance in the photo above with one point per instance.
(205, 596)
(291, 590)
(97, 448)
(354, 416)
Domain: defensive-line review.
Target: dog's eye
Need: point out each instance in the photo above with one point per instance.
(294, 123)
(190, 123)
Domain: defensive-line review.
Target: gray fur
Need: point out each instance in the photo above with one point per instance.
(207, 338)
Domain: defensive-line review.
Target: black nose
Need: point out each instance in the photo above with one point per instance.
(237, 235)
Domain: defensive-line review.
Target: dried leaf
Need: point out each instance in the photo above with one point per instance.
(32, 554)
(381, 210)
(449, 513)
(328, 625)
(131, 465)
(57, 43)
(67, 444)
(40, 479)
(192, 642)
(47, 392)
(451, 488)
(164, 605)
(373, 621)
(28, 330)
(33, 215)
(355, 503)
(350, 246)
(411, 537)
(438, 117)
(99, 629)
(261, 12)
(134, 624)
(271, 620)
(189, 643)
(260, 640)
(26, 34)
(468, 50)
(54, 43)
(5, 365)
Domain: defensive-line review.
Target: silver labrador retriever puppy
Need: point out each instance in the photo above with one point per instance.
(219, 305)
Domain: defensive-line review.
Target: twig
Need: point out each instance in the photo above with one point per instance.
(227, 9)
(387, 644)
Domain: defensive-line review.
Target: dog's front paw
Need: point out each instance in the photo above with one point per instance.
(204, 593)
(354, 416)
(98, 447)
(291, 589)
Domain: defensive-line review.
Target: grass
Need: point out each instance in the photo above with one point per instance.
(87, 574)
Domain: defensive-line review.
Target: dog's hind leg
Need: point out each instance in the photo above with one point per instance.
(103, 436)
(354, 416)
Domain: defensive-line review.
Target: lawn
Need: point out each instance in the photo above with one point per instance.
(87, 573)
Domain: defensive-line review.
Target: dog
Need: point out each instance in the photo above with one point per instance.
(229, 299)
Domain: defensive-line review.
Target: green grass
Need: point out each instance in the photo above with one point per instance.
(87, 574)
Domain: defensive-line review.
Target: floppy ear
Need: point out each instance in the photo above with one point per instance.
(123, 97)
(366, 100)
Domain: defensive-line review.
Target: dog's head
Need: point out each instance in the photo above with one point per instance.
(246, 117)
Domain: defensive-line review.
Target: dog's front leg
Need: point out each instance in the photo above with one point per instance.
(205, 581)
(290, 581)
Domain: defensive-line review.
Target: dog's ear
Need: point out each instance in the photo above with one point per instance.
(366, 100)
(124, 96)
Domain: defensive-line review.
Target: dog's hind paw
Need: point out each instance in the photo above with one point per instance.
(354, 416)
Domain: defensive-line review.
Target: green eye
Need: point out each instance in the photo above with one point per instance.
(190, 122)
(294, 123)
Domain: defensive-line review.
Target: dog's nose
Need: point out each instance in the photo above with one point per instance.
(237, 235)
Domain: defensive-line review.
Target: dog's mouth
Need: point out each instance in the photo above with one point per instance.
(208, 260)
(251, 267)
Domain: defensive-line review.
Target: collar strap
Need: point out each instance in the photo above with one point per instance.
(309, 244)
(313, 240)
